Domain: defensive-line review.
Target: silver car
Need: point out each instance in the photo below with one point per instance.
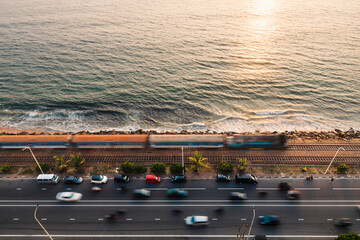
(68, 196)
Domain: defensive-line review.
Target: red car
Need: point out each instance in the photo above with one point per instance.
(152, 179)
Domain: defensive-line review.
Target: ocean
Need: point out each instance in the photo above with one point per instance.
(229, 65)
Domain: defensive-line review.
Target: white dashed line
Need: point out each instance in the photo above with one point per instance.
(329, 219)
(346, 189)
(243, 219)
(358, 219)
(267, 189)
(72, 219)
(43, 189)
(301, 219)
(230, 188)
(157, 219)
(214, 219)
(18, 189)
(43, 219)
(129, 219)
(157, 189)
(16, 219)
(100, 219)
(307, 189)
(68, 189)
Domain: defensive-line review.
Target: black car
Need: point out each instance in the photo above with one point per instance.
(223, 178)
(175, 192)
(284, 186)
(73, 179)
(121, 178)
(269, 220)
(178, 179)
(246, 178)
(343, 222)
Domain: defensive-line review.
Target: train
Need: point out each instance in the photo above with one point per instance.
(143, 141)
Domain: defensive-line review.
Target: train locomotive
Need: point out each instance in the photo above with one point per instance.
(143, 141)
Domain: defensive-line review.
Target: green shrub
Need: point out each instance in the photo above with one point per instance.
(348, 236)
(140, 169)
(176, 168)
(26, 171)
(127, 167)
(243, 164)
(5, 169)
(44, 166)
(225, 167)
(158, 168)
(342, 168)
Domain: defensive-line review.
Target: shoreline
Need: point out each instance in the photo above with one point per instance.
(334, 136)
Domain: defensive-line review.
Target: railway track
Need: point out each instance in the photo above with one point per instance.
(316, 154)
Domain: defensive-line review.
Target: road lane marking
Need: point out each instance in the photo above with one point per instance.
(16, 219)
(194, 188)
(351, 189)
(147, 236)
(157, 219)
(358, 219)
(267, 188)
(329, 219)
(72, 219)
(230, 188)
(307, 188)
(214, 219)
(68, 189)
(301, 219)
(129, 219)
(100, 219)
(43, 219)
(243, 219)
(18, 189)
(154, 189)
(43, 189)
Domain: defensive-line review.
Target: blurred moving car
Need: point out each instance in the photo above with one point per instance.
(259, 237)
(293, 194)
(284, 186)
(121, 178)
(197, 220)
(152, 179)
(99, 179)
(142, 193)
(73, 179)
(343, 222)
(68, 196)
(246, 178)
(178, 179)
(176, 192)
(223, 178)
(96, 189)
(238, 196)
(269, 220)
(121, 211)
(111, 216)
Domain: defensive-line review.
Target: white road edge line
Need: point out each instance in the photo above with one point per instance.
(162, 236)
(187, 205)
(230, 188)
(352, 189)
(307, 189)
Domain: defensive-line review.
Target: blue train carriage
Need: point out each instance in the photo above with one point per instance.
(196, 141)
(35, 141)
(109, 141)
(256, 141)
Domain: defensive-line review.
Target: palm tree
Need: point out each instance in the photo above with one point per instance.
(198, 162)
(77, 161)
(243, 164)
(61, 164)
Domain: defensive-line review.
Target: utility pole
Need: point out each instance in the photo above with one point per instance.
(252, 221)
(333, 159)
(182, 160)
(34, 158)
(37, 205)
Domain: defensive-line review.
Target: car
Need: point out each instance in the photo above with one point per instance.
(223, 178)
(197, 220)
(176, 192)
(343, 222)
(99, 179)
(237, 196)
(121, 178)
(142, 193)
(178, 179)
(152, 179)
(284, 186)
(259, 237)
(246, 178)
(73, 179)
(68, 196)
(293, 194)
(269, 220)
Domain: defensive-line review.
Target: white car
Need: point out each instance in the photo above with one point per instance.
(197, 220)
(68, 196)
(99, 179)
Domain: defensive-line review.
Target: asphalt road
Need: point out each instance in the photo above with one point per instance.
(310, 217)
